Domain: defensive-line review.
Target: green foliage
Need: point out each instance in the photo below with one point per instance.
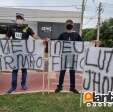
(106, 33)
(89, 34)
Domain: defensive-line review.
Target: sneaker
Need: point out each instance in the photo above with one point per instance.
(24, 88)
(58, 90)
(74, 91)
(11, 90)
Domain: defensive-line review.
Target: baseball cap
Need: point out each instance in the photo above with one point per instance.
(20, 15)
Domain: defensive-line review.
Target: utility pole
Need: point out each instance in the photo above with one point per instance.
(82, 16)
(100, 9)
(81, 26)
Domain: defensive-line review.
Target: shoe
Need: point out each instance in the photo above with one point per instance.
(11, 90)
(58, 90)
(24, 88)
(74, 91)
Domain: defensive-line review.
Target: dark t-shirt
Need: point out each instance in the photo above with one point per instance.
(72, 36)
(19, 32)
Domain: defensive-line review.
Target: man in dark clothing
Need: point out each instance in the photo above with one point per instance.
(19, 31)
(69, 35)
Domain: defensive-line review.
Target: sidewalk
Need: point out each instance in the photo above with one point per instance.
(35, 81)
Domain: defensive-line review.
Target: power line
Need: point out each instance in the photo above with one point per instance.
(106, 3)
(90, 19)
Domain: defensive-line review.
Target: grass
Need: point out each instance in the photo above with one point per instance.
(37, 102)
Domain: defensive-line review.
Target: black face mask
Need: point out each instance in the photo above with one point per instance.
(69, 27)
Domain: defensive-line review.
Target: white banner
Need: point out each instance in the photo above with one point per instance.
(98, 71)
(17, 54)
(67, 55)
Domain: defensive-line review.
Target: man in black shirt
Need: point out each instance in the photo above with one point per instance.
(69, 35)
(19, 31)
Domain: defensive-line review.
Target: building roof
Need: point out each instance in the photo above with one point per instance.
(39, 15)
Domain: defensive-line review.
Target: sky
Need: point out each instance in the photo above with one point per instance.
(90, 15)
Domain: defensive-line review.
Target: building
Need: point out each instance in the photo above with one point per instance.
(47, 23)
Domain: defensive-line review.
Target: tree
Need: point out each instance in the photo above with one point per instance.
(89, 34)
(106, 33)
